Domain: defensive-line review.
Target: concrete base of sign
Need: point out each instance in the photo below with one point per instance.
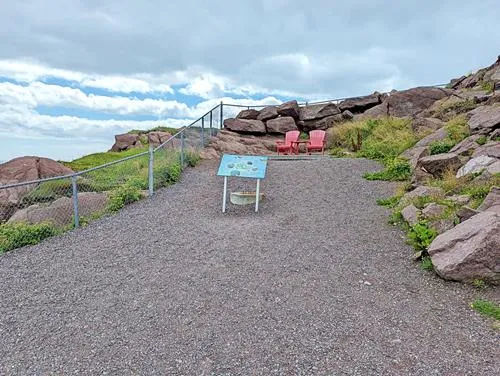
(244, 198)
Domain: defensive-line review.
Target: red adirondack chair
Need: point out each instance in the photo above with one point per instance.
(287, 146)
(316, 141)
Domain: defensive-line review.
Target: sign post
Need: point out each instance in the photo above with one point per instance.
(242, 166)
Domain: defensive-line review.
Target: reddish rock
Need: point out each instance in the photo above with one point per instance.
(438, 164)
(126, 141)
(323, 124)
(281, 125)
(250, 114)
(245, 126)
(360, 104)
(290, 108)
(268, 113)
(318, 111)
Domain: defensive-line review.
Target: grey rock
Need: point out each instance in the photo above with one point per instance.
(411, 214)
(424, 125)
(470, 250)
(491, 149)
(438, 164)
(475, 165)
(492, 199)
(347, 115)
(433, 210)
(413, 154)
(459, 199)
(465, 212)
(442, 225)
(467, 146)
(323, 124)
(360, 104)
(494, 168)
(438, 135)
(484, 120)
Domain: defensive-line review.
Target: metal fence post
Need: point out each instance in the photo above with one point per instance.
(221, 114)
(203, 132)
(182, 150)
(210, 123)
(150, 171)
(76, 216)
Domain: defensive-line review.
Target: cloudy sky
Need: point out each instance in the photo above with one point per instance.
(75, 72)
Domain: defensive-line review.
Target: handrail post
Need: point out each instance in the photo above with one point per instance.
(221, 115)
(182, 150)
(76, 216)
(202, 132)
(210, 123)
(150, 171)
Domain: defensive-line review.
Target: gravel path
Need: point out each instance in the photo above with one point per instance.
(316, 283)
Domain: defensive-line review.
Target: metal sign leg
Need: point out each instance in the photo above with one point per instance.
(224, 195)
(257, 196)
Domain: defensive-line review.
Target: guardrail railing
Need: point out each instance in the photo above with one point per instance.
(68, 199)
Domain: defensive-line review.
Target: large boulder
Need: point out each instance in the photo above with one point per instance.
(126, 141)
(60, 212)
(245, 126)
(24, 169)
(234, 143)
(250, 114)
(425, 125)
(438, 164)
(413, 154)
(408, 103)
(290, 108)
(268, 113)
(360, 104)
(484, 120)
(323, 124)
(318, 111)
(281, 125)
(476, 165)
(470, 250)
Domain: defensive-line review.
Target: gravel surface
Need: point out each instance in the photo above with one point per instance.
(317, 282)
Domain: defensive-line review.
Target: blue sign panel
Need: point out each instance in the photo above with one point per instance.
(243, 166)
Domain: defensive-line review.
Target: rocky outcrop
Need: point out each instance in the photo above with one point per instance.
(245, 126)
(438, 164)
(321, 123)
(467, 146)
(491, 149)
(414, 154)
(476, 165)
(126, 141)
(491, 200)
(360, 104)
(426, 125)
(290, 108)
(250, 114)
(281, 125)
(235, 143)
(407, 103)
(470, 250)
(318, 111)
(489, 74)
(24, 169)
(158, 138)
(438, 135)
(484, 120)
(60, 212)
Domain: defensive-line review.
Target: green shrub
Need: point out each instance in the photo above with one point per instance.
(455, 108)
(420, 235)
(389, 202)
(439, 147)
(487, 308)
(192, 158)
(20, 234)
(97, 159)
(122, 196)
(482, 140)
(487, 86)
(396, 169)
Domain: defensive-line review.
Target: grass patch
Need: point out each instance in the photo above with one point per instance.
(486, 308)
(487, 86)
(122, 196)
(426, 263)
(156, 129)
(396, 169)
(18, 235)
(454, 108)
(482, 140)
(389, 202)
(457, 129)
(97, 159)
